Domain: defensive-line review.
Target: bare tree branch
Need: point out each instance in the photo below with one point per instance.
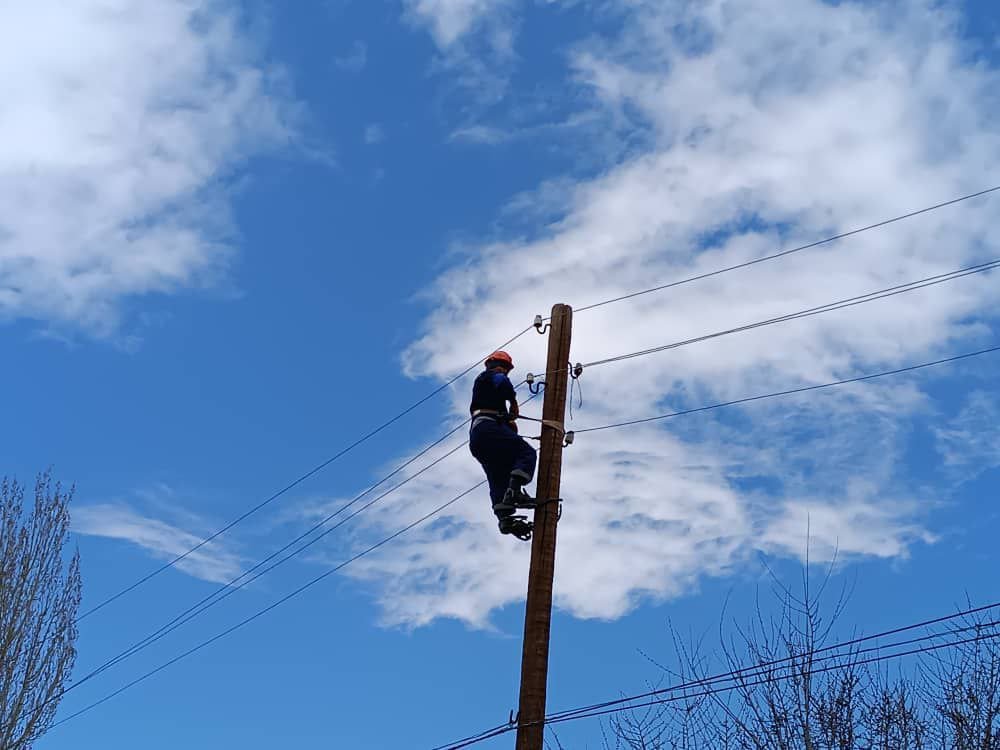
(39, 599)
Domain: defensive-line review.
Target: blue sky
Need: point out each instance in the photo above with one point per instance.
(236, 236)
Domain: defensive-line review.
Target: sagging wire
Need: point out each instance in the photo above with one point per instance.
(793, 391)
(287, 488)
(818, 310)
(784, 253)
(274, 605)
(754, 674)
(811, 311)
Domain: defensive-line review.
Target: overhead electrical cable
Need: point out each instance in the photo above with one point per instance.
(696, 688)
(273, 605)
(841, 304)
(764, 679)
(267, 501)
(426, 517)
(834, 651)
(811, 311)
(234, 585)
(726, 686)
(783, 253)
(791, 391)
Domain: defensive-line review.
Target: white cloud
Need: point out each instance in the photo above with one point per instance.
(121, 122)
(485, 134)
(763, 123)
(492, 135)
(374, 134)
(216, 561)
(475, 39)
(870, 526)
(450, 20)
(970, 442)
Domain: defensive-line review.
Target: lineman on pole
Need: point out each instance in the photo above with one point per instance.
(508, 460)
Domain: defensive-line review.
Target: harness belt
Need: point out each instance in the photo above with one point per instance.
(485, 413)
(479, 420)
(555, 425)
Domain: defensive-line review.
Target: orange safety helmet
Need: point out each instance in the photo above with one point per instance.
(500, 357)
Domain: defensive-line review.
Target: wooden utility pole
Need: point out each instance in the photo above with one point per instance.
(538, 614)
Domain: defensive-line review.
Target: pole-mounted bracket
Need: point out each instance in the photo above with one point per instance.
(559, 506)
(540, 324)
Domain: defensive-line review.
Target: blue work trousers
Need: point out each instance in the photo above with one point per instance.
(500, 450)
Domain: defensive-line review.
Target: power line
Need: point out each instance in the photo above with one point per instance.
(233, 585)
(790, 251)
(270, 607)
(176, 623)
(128, 589)
(606, 707)
(761, 670)
(372, 433)
(861, 299)
(791, 391)
(444, 506)
(768, 678)
(872, 376)
(790, 660)
(819, 310)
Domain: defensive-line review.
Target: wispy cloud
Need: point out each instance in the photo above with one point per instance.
(735, 151)
(122, 122)
(217, 561)
(487, 134)
(450, 20)
(475, 41)
(374, 134)
(970, 442)
(871, 526)
(492, 135)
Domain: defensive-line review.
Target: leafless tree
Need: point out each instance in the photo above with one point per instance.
(787, 692)
(39, 598)
(962, 685)
(893, 716)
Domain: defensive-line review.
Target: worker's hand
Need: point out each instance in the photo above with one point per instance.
(514, 411)
(513, 425)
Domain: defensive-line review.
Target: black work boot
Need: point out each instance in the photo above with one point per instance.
(519, 526)
(503, 508)
(515, 495)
